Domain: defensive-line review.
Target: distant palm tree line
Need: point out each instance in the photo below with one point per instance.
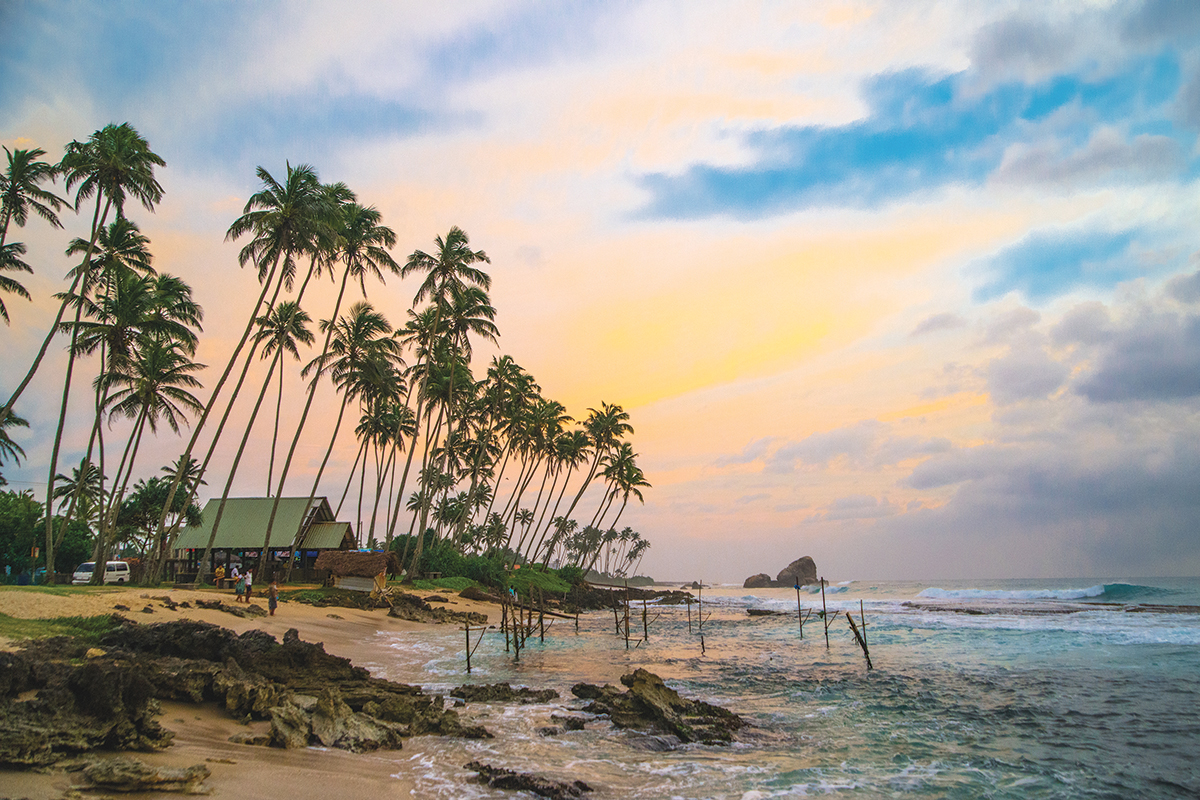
(433, 440)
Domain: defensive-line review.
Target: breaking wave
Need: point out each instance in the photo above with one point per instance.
(1109, 591)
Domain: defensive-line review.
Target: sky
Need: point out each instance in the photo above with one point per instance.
(911, 288)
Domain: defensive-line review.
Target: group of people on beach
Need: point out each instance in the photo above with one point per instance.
(243, 586)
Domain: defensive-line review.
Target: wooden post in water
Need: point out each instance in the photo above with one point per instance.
(799, 611)
(626, 615)
(689, 607)
(504, 618)
(467, 628)
(701, 644)
(862, 642)
(700, 610)
(645, 623)
(824, 612)
(616, 617)
(541, 615)
(862, 618)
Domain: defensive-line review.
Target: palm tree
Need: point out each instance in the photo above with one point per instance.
(122, 253)
(21, 193)
(115, 163)
(362, 244)
(81, 493)
(283, 221)
(10, 450)
(604, 427)
(278, 332)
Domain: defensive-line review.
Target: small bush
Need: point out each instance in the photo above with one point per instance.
(571, 575)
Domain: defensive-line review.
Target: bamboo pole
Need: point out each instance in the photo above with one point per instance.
(700, 609)
(689, 609)
(645, 622)
(542, 614)
(626, 615)
(467, 628)
(799, 612)
(862, 618)
(862, 642)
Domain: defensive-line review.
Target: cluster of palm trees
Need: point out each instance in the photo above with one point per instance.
(433, 441)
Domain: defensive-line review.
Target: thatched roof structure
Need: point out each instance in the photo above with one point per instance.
(353, 565)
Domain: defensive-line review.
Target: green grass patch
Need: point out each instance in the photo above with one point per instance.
(454, 584)
(523, 579)
(88, 629)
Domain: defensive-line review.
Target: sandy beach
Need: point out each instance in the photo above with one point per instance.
(202, 732)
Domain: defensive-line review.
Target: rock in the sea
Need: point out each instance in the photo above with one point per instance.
(503, 693)
(760, 581)
(651, 705)
(500, 778)
(131, 775)
(801, 571)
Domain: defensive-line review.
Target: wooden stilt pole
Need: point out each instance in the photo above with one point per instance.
(700, 600)
(541, 615)
(824, 613)
(799, 611)
(645, 622)
(467, 628)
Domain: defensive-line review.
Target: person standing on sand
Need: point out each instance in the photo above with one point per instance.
(249, 584)
(219, 575)
(239, 589)
(272, 596)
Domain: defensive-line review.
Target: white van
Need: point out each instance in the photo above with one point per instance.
(114, 572)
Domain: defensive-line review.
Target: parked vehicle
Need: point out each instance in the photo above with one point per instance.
(114, 572)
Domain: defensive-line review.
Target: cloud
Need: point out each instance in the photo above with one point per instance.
(1009, 324)
(856, 506)
(1106, 157)
(1047, 264)
(754, 451)
(1185, 288)
(1086, 323)
(938, 322)
(1024, 374)
(864, 445)
(1155, 358)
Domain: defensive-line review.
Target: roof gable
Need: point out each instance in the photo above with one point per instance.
(244, 523)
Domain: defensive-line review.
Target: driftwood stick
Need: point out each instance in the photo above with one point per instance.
(861, 641)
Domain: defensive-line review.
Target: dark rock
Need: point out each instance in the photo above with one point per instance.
(760, 581)
(131, 775)
(650, 705)
(800, 572)
(569, 723)
(121, 607)
(412, 608)
(245, 612)
(147, 610)
(251, 738)
(549, 730)
(654, 744)
(479, 595)
(503, 693)
(335, 724)
(436, 598)
(499, 778)
(763, 612)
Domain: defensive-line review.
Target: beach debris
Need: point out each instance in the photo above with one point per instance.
(861, 637)
(500, 778)
(125, 774)
(503, 693)
(650, 705)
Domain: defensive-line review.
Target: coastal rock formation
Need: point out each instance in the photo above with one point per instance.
(503, 693)
(651, 705)
(56, 703)
(499, 778)
(800, 572)
(412, 608)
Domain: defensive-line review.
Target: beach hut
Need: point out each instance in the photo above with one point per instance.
(359, 572)
(308, 528)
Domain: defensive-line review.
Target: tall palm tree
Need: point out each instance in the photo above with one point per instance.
(283, 221)
(20, 190)
(115, 163)
(361, 245)
(122, 253)
(278, 332)
(605, 428)
(10, 450)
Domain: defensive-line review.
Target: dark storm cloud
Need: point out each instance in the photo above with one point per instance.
(1155, 358)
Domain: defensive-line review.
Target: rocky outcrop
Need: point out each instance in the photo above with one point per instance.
(59, 698)
(500, 778)
(800, 572)
(650, 705)
(412, 608)
(503, 693)
(131, 775)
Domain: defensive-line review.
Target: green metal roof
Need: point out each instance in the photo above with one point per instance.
(244, 523)
(325, 535)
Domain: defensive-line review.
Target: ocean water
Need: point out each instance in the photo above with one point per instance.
(981, 689)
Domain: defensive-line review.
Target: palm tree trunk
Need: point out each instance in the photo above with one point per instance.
(554, 513)
(212, 400)
(98, 221)
(424, 501)
(275, 435)
(62, 419)
(312, 391)
(412, 449)
(350, 482)
(237, 460)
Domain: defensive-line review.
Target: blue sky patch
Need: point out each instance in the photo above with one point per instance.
(1047, 264)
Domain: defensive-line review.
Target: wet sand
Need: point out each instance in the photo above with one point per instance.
(201, 732)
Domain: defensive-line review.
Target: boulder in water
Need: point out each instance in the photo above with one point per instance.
(760, 581)
(800, 572)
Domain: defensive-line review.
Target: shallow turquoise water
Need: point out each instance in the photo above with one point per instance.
(1004, 689)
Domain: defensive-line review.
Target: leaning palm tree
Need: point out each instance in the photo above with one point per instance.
(10, 261)
(20, 190)
(115, 163)
(362, 244)
(282, 220)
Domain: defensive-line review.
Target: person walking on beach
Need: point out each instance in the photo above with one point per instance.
(239, 588)
(272, 596)
(249, 584)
